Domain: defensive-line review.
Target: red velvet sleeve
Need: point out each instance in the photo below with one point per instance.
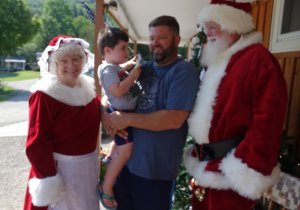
(39, 145)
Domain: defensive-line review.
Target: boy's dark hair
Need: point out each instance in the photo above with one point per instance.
(109, 37)
(166, 20)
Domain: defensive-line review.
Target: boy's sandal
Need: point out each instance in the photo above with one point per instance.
(108, 197)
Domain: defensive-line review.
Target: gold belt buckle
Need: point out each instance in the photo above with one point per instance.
(199, 192)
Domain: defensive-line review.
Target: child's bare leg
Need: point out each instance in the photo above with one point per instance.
(112, 152)
(113, 170)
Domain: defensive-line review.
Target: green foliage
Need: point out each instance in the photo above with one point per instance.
(36, 6)
(56, 19)
(28, 51)
(64, 17)
(183, 194)
(17, 25)
(182, 51)
(84, 28)
(103, 169)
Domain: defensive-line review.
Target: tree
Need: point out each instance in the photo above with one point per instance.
(28, 51)
(36, 6)
(17, 25)
(56, 19)
(84, 28)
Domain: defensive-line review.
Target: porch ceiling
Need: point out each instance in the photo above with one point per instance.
(136, 14)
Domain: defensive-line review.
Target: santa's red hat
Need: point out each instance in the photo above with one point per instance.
(232, 16)
(54, 44)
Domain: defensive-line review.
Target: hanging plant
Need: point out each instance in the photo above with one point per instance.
(197, 41)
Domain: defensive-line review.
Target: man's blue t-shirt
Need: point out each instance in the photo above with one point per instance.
(157, 154)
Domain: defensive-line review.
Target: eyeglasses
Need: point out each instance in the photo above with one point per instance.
(211, 28)
(74, 61)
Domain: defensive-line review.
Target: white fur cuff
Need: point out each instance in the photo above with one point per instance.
(245, 180)
(46, 191)
(204, 178)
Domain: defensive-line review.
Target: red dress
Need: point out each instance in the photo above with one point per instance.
(243, 94)
(62, 120)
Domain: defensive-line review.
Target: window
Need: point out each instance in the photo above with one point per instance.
(285, 31)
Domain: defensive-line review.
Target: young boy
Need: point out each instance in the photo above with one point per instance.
(113, 45)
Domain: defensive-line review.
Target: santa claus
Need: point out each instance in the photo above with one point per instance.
(238, 117)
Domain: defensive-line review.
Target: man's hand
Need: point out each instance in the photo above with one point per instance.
(117, 120)
(108, 125)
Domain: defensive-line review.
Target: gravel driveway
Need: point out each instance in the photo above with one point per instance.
(13, 172)
(14, 165)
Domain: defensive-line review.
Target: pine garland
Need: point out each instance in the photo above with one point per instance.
(183, 193)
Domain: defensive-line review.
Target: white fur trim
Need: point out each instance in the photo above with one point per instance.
(79, 95)
(229, 18)
(235, 175)
(245, 180)
(200, 119)
(204, 178)
(46, 191)
(201, 116)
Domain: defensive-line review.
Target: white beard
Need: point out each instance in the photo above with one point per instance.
(213, 50)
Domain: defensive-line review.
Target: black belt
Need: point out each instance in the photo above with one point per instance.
(216, 150)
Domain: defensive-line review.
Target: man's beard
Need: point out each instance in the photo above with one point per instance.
(213, 50)
(165, 54)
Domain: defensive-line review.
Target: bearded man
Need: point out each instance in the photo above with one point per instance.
(169, 88)
(239, 113)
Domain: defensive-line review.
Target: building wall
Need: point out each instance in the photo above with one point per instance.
(290, 64)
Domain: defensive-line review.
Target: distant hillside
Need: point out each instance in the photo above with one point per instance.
(36, 6)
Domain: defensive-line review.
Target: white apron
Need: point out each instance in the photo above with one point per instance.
(80, 176)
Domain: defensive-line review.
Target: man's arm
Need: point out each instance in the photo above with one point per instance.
(154, 121)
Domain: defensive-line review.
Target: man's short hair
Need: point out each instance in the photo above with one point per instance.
(109, 37)
(166, 20)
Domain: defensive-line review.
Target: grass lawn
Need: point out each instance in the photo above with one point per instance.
(18, 75)
(5, 92)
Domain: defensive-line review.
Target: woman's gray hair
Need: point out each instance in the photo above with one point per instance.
(66, 49)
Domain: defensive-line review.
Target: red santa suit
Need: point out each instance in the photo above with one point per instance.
(242, 94)
(62, 146)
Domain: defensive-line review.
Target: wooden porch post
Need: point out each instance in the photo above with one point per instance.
(99, 24)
